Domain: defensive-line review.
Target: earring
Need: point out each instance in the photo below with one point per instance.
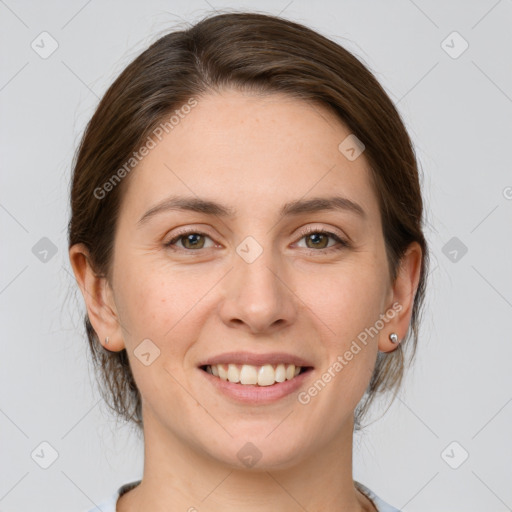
(393, 337)
(106, 340)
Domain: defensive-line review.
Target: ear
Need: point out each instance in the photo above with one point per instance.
(402, 296)
(98, 298)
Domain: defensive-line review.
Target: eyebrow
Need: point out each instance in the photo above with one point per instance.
(291, 208)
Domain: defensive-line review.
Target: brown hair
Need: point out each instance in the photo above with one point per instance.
(259, 53)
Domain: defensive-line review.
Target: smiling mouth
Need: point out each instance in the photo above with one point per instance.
(250, 375)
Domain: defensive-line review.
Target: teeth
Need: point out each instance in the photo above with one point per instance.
(233, 373)
(247, 374)
(223, 373)
(266, 375)
(281, 373)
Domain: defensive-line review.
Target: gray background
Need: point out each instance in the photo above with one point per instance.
(458, 109)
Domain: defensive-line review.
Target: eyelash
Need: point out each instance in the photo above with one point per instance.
(342, 244)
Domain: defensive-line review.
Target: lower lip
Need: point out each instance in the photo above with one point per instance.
(253, 394)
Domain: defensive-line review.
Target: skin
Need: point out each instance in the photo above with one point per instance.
(235, 148)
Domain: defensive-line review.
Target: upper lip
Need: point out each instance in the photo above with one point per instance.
(255, 359)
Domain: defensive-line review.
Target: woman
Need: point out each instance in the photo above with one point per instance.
(246, 231)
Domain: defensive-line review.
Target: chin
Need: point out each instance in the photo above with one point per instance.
(261, 453)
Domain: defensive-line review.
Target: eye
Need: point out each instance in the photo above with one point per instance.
(191, 240)
(317, 240)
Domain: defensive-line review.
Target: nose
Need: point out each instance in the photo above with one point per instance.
(259, 295)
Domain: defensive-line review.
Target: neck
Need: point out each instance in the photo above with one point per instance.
(178, 475)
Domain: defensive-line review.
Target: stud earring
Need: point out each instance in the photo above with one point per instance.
(106, 340)
(393, 337)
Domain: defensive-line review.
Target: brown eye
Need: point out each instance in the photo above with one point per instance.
(318, 240)
(191, 240)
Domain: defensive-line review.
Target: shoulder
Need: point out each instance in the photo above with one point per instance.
(379, 503)
(109, 504)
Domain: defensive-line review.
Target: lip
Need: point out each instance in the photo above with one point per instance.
(256, 395)
(255, 359)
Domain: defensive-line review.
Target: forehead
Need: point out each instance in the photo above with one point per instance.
(250, 151)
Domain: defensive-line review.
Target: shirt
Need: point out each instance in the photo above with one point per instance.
(109, 504)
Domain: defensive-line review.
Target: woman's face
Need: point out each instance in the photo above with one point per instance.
(251, 281)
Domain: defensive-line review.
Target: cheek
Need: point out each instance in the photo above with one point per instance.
(347, 306)
(145, 303)
(160, 302)
(158, 305)
(347, 300)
